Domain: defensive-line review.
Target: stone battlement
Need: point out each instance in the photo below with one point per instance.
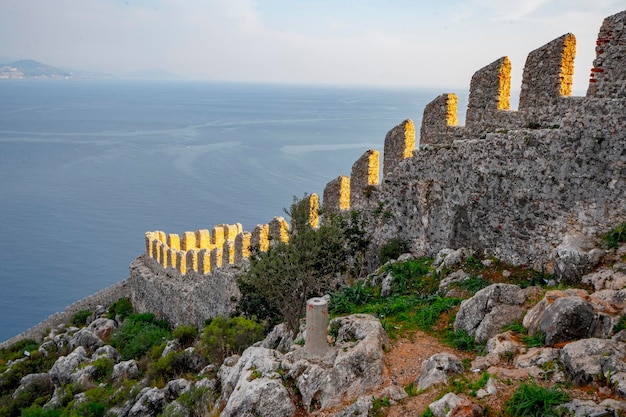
(553, 166)
(204, 251)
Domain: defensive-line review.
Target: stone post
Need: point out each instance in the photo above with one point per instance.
(203, 239)
(316, 322)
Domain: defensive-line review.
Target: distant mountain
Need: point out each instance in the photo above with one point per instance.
(28, 68)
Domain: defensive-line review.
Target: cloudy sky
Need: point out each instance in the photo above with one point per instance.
(372, 42)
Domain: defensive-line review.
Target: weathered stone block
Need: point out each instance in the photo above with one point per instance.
(173, 241)
(490, 90)
(204, 261)
(192, 260)
(260, 237)
(278, 230)
(172, 258)
(608, 75)
(189, 240)
(228, 252)
(337, 195)
(439, 117)
(242, 246)
(163, 252)
(181, 262)
(218, 236)
(364, 179)
(399, 145)
(548, 73)
(216, 258)
(203, 239)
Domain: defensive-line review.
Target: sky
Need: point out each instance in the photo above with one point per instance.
(361, 42)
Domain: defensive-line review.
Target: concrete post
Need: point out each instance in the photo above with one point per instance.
(316, 343)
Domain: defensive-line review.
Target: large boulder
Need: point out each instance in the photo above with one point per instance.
(452, 405)
(607, 279)
(86, 339)
(103, 328)
(125, 370)
(435, 370)
(574, 257)
(149, 403)
(33, 386)
(564, 315)
(252, 386)
(585, 360)
(351, 368)
(62, 369)
(491, 308)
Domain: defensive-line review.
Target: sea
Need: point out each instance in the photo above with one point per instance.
(88, 166)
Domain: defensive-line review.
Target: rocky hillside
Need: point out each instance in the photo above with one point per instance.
(455, 335)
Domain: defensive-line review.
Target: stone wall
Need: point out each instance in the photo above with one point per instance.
(512, 183)
(364, 179)
(187, 299)
(103, 297)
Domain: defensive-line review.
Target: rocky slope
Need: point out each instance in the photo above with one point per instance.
(566, 337)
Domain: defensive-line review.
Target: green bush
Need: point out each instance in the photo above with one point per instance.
(345, 300)
(122, 307)
(533, 400)
(79, 319)
(138, 334)
(615, 236)
(392, 249)
(459, 339)
(224, 337)
(104, 368)
(413, 276)
(186, 335)
(315, 261)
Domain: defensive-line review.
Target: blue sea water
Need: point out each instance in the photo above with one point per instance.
(86, 167)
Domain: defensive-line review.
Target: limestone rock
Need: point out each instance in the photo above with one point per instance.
(262, 396)
(361, 407)
(84, 376)
(235, 371)
(536, 357)
(107, 351)
(351, 368)
(566, 319)
(174, 388)
(61, 371)
(394, 392)
(102, 328)
(34, 384)
(171, 346)
(574, 257)
(176, 409)
(582, 408)
(125, 370)
(193, 361)
(149, 403)
(499, 348)
(491, 308)
(606, 279)
(280, 338)
(86, 339)
(455, 277)
(452, 405)
(387, 285)
(435, 370)
(449, 258)
(585, 359)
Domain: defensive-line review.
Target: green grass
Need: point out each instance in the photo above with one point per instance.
(459, 339)
(472, 284)
(615, 236)
(538, 340)
(532, 400)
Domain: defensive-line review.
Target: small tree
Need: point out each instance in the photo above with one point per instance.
(312, 263)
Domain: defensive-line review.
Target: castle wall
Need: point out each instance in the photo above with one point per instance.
(364, 180)
(608, 75)
(399, 145)
(337, 195)
(103, 297)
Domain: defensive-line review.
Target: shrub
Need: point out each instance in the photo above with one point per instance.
(311, 264)
(349, 297)
(79, 319)
(138, 334)
(392, 249)
(413, 275)
(224, 337)
(615, 236)
(104, 368)
(186, 335)
(533, 400)
(122, 308)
